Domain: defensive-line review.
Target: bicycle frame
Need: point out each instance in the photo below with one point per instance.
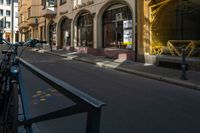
(9, 94)
(8, 79)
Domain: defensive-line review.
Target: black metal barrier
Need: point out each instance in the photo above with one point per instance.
(84, 102)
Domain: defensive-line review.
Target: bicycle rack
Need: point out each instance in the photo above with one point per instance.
(84, 102)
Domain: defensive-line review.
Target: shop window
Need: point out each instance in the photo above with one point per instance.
(85, 30)
(65, 33)
(172, 24)
(77, 2)
(117, 27)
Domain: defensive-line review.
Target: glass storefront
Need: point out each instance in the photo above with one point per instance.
(65, 33)
(173, 27)
(117, 27)
(85, 30)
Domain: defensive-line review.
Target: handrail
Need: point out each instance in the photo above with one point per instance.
(84, 102)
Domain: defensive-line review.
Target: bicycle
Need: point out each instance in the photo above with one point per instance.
(9, 85)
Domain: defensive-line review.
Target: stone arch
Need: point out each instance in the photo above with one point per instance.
(100, 18)
(58, 31)
(75, 28)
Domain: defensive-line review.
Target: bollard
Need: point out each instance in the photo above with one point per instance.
(183, 65)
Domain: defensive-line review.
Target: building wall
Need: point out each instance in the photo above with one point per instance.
(96, 8)
(30, 19)
(8, 33)
(23, 24)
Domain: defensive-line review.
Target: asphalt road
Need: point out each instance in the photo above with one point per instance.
(134, 104)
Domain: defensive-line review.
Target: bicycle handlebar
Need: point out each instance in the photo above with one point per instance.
(30, 43)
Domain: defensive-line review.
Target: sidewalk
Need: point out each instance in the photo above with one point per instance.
(145, 70)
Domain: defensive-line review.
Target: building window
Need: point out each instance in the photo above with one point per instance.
(17, 36)
(77, 2)
(1, 12)
(43, 3)
(48, 3)
(51, 3)
(7, 24)
(22, 18)
(1, 24)
(1, 2)
(7, 13)
(85, 30)
(8, 2)
(62, 2)
(16, 15)
(65, 33)
(117, 27)
(29, 12)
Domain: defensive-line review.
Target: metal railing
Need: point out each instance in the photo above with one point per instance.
(84, 102)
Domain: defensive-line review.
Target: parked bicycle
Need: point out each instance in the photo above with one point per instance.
(9, 98)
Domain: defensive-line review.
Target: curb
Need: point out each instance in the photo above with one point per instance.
(139, 73)
(161, 78)
(55, 54)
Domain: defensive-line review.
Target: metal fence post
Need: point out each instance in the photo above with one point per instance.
(29, 128)
(183, 65)
(93, 121)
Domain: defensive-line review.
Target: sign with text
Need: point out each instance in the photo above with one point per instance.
(128, 33)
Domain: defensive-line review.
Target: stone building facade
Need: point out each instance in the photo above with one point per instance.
(99, 27)
(6, 24)
(125, 29)
(30, 20)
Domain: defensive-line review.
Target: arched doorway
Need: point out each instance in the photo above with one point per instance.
(65, 33)
(117, 23)
(85, 30)
(52, 35)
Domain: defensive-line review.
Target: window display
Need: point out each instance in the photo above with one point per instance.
(85, 30)
(117, 27)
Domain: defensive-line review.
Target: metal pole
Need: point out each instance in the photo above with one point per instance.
(12, 21)
(183, 65)
(93, 121)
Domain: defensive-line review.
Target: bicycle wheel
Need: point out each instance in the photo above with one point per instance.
(9, 116)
